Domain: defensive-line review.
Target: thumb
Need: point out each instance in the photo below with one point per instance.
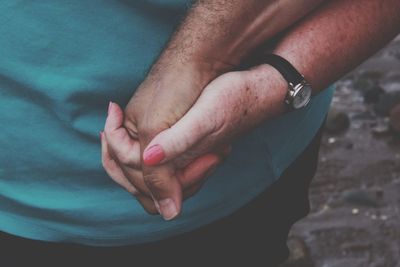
(184, 134)
(165, 189)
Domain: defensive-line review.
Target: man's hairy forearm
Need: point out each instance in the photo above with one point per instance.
(338, 36)
(218, 34)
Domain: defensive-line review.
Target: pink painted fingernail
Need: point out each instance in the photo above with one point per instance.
(153, 155)
(101, 134)
(168, 209)
(109, 107)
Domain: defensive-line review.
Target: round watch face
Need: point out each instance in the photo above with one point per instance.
(302, 97)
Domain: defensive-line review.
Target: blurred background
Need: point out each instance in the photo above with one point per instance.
(355, 197)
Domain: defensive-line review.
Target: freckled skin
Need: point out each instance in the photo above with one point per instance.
(217, 35)
(339, 36)
(308, 46)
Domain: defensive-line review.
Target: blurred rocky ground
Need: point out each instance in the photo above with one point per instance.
(355, 196)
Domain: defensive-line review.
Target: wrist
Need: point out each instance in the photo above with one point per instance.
(170, 88)
(271, 87)
(196, 73)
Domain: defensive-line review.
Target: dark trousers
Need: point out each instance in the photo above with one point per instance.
(254, 235)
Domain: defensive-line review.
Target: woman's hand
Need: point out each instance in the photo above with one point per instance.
(157, 104)
(230, 105)
(125, 169)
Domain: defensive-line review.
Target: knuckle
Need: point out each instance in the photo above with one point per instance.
(131, 128)
(147, 129)
(152, 126)
(125, 159)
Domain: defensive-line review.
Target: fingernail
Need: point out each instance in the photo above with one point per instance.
(109, 107)
(168, 209)
(101, 134)
(153, 155)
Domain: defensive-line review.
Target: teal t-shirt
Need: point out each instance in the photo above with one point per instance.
(60, 64)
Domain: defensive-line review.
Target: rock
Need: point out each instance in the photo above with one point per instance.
(394, 120)
(392, 78)
(348, 262)
(349, 145)
(371, 95)
(363, 84)
(337, 121)
(299, 255)
(355, 198)
(372, 74)
(364, 115)
(383, 217)
(367, 79)
(360, 197)
(355, 246)
(379, 193)
(380, 127)
(387, 102)
(355, 211)
(331, 140)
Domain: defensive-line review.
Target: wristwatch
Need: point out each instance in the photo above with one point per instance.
(299, 90)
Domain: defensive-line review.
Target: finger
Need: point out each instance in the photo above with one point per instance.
(182, 161)
(147, 204)
(119, 151)
(122, 146)
(124, 175)
(112, 168)
(165, 189)
(114, 118)
(116, 173)
(135, 177)
(198, 170)
(172, 142)
(194, 188)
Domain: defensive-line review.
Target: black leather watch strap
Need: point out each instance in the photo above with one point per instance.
(283, 66)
